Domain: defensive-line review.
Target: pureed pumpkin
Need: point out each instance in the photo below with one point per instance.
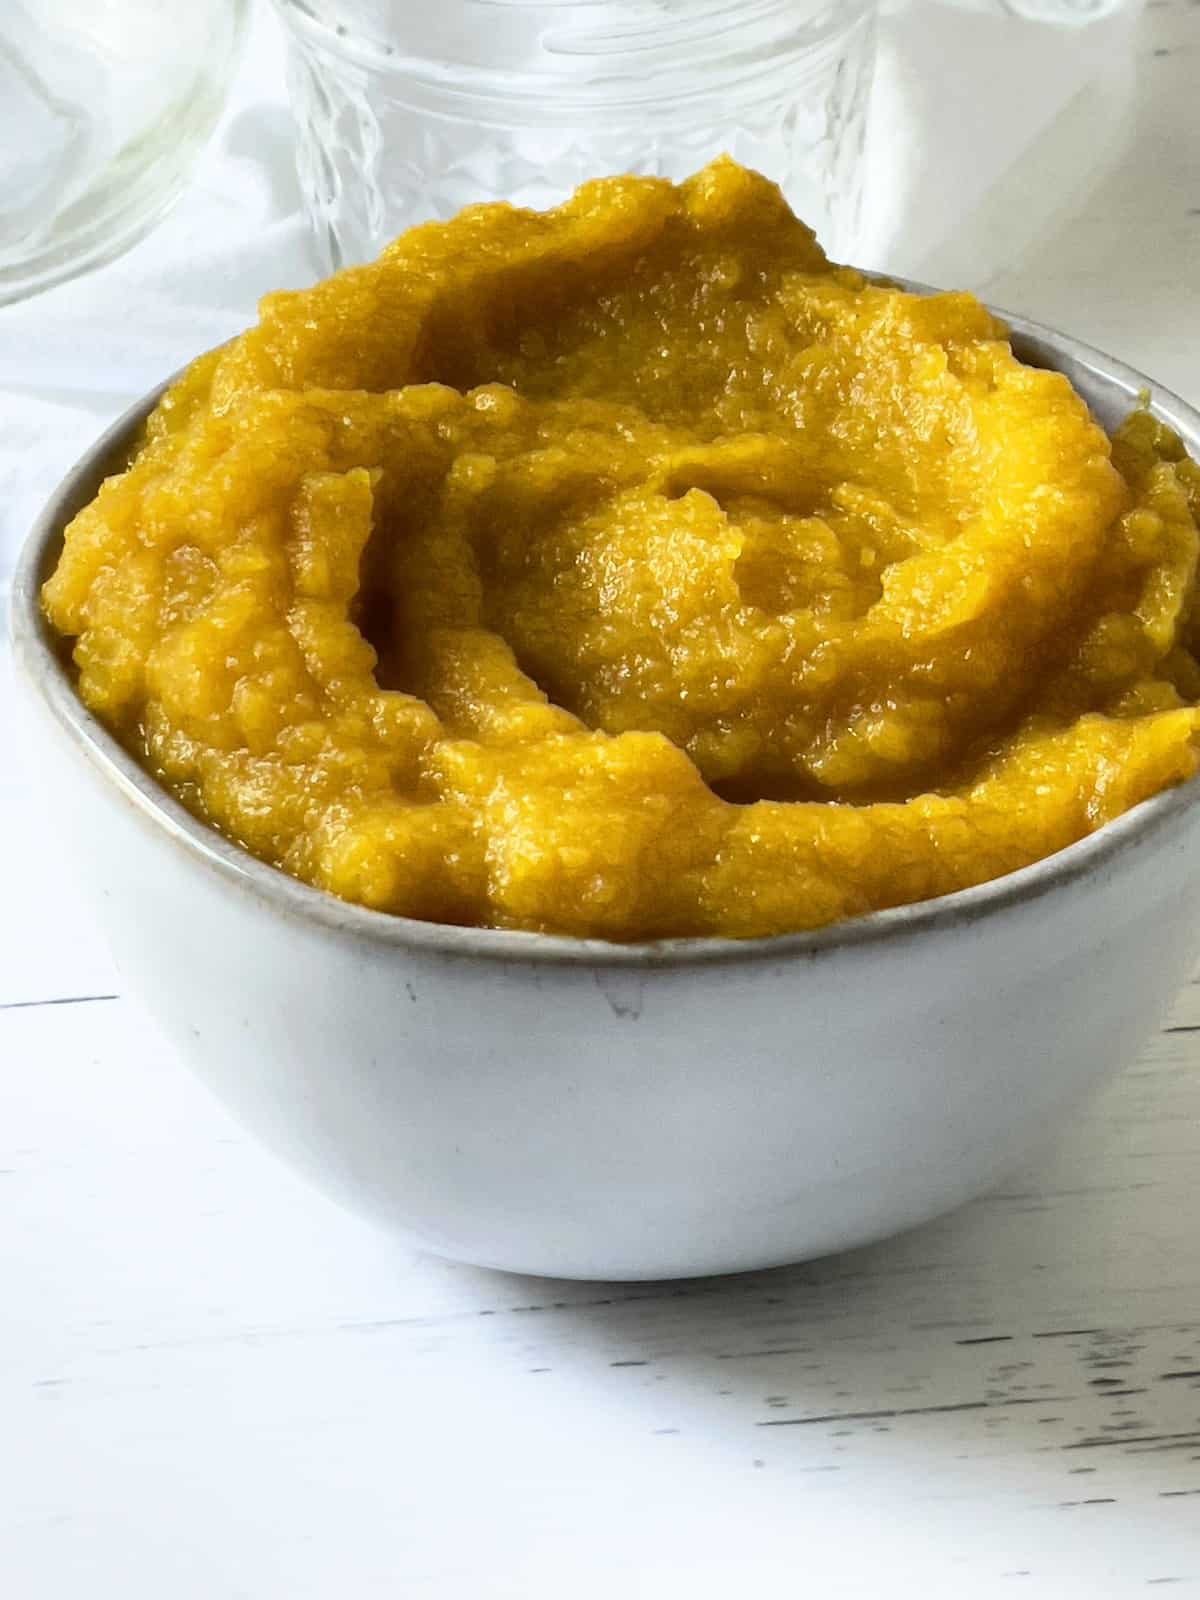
(629, 570)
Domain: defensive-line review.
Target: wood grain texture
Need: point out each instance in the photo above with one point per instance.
(215, 1385)
(212, 1377)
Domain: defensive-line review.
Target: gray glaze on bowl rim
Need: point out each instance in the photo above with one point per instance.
(40, 655)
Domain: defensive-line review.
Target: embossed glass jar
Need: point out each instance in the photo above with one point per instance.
(406, 111)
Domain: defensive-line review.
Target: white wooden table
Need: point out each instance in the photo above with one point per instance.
(215, 1385)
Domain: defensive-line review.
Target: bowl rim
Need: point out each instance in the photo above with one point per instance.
(38, 653)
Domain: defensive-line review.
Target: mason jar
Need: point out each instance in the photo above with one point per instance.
(406, 112)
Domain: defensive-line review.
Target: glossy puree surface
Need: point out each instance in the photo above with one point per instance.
(629, 570)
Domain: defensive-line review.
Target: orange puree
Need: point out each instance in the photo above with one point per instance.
(630, 570)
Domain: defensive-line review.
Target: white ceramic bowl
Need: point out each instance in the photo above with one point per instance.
(659, 1110)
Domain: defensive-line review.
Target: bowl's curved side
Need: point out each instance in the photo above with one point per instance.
(588, 1120)
(582, 1109)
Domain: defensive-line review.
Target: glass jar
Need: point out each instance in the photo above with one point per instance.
(406, 112)
(1068, 13)
(106, 104)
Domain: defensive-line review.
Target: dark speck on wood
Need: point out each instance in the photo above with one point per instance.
(1162, 1440)
(870, 1416)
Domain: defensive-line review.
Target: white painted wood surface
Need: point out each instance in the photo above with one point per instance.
(214, 1385)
